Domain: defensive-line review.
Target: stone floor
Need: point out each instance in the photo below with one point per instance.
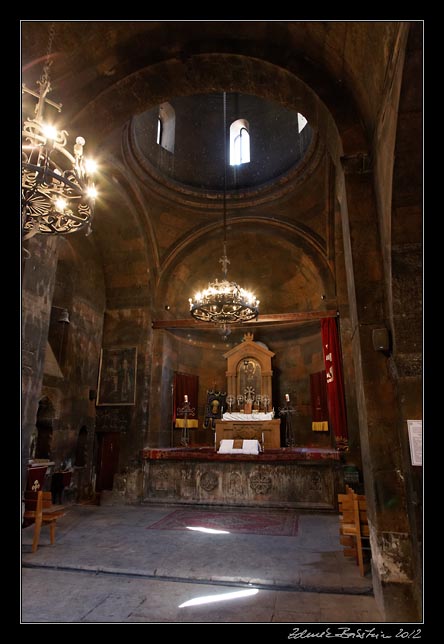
(107, 566)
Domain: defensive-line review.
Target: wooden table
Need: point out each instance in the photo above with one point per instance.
(250, 429)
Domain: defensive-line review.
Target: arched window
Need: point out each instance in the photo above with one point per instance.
(302, 122)
(166, 127)
(239, 142)
(159, 130)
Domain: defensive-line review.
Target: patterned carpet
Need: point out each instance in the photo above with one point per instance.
(276, 523)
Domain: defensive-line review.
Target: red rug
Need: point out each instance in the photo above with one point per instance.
(275, 523)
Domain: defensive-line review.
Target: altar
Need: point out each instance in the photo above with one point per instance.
(252, 469)
(261, 427)
(298, 477)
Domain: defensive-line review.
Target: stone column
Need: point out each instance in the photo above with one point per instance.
(38, 279)
(161, 395)
(378, 410)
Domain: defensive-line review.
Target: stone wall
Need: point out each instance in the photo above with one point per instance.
(397, 540)
(126, 327)
(38, 278)
(72, 359)
(298, 485)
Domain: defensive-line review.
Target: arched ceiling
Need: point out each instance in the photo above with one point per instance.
(287, 276)
(202, 124)
(90, 56)
(155, 240)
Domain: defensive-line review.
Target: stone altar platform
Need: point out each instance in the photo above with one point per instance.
(302, 477)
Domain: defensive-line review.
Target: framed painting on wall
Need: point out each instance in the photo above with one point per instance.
(117, 376)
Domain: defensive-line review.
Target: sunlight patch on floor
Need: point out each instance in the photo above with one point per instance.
(207, 530)
(209, 599)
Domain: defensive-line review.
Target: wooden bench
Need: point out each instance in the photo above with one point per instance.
(353, 527)
(40, 510)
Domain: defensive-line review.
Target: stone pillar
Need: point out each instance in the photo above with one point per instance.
(38, 279)
(161, 394)
(378, 410)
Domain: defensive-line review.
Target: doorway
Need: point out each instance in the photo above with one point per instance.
(108, 444)
(44, 425)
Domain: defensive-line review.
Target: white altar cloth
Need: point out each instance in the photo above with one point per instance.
(258, 416)
(248, 447)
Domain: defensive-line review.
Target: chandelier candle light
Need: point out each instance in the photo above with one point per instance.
(224, 302)
(57, 190)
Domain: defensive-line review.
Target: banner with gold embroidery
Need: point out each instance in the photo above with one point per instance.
(335, 381)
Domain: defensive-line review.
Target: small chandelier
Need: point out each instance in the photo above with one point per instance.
(224, 302)
(57, 191)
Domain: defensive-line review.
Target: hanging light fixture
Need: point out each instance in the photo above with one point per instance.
(57, 190)
(224, 302)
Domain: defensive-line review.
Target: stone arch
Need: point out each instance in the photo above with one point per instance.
(218, 72)
(125, 196)
(301, 262)
(44, 424)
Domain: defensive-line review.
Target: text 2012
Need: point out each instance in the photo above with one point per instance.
(344, 632)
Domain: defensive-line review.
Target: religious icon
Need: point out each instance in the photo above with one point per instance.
(216, 403)
(117, 377)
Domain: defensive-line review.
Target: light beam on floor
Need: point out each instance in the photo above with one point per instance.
(207, 530)
(209, 599)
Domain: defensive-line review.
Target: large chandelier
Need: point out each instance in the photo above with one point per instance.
(224, 302)
(57, 190)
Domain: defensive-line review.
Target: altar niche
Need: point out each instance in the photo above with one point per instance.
(249, 370)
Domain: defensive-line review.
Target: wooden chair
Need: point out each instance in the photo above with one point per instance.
(40, 510)
(353, 528)
(345, 505)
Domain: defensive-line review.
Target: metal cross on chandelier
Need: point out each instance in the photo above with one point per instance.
(224, 302)
(57, 190)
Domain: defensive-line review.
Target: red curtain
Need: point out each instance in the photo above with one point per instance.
(185, 384)
(335, 381)
(318, 390)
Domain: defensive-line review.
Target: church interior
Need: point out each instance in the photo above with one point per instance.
(283, 160)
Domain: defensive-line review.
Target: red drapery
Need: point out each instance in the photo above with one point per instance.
(185, 384)
(319, 404)
(335, 381)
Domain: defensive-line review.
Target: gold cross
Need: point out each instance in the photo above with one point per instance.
(45, 88)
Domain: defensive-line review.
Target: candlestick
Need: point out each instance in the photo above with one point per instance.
(287, 413)
(185, 411)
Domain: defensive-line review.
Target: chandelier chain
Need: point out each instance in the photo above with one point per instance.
(225, 173)
(48, 62)
(224, 302)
